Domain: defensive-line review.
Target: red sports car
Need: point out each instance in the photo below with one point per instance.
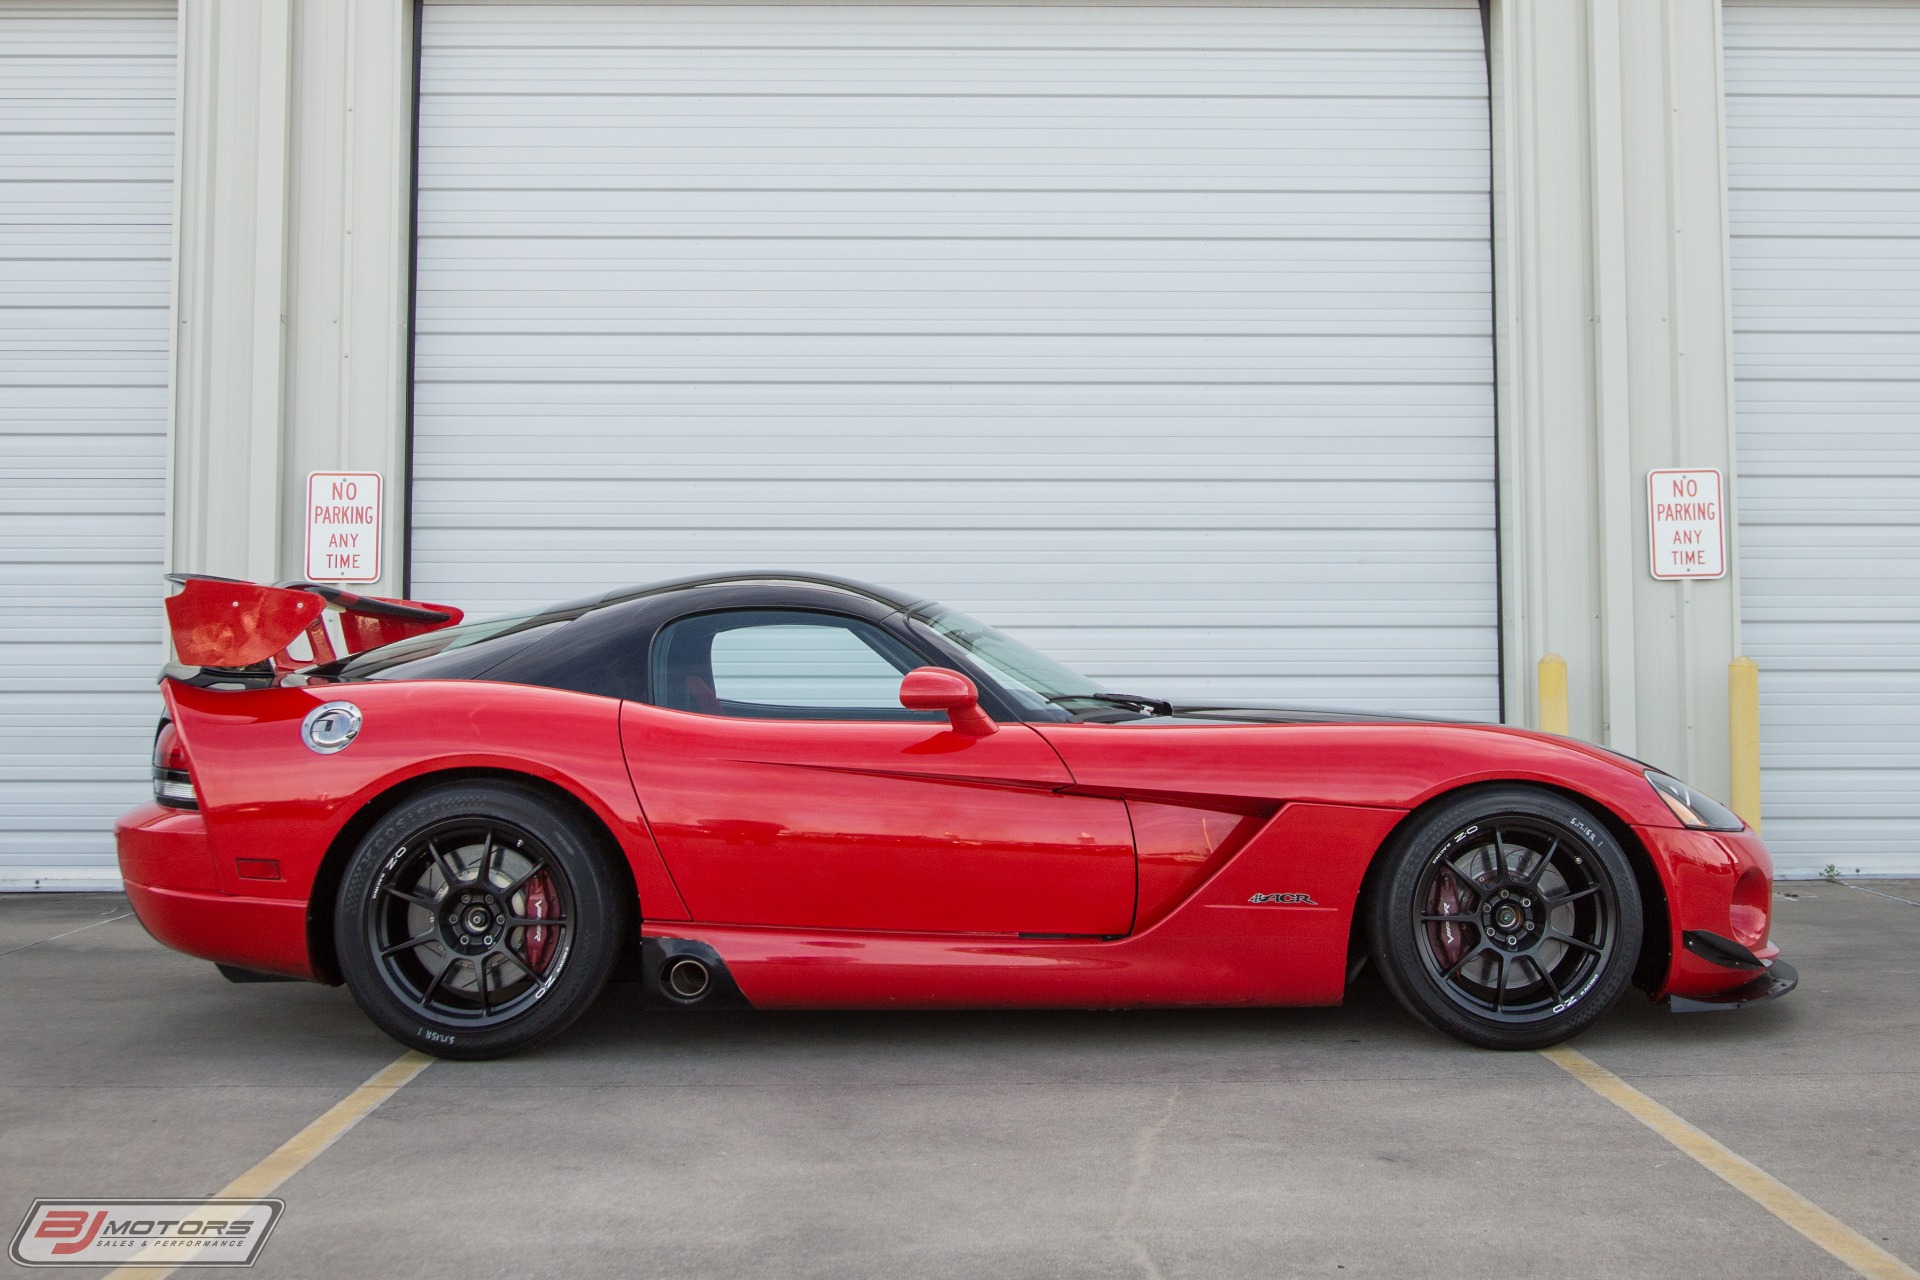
(801, 791)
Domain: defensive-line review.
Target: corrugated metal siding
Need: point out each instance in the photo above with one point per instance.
(86, 202)
(1823, 117)
(1158, 335)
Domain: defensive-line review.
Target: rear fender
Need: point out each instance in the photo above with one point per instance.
(333, 866)
(263, 793)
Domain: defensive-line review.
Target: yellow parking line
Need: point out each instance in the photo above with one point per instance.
(297, 1152)
(1765, 1190)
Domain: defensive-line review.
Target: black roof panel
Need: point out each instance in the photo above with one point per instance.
(880, 595)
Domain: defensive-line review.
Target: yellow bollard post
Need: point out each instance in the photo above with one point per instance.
(1553, 695)
(1743, 725)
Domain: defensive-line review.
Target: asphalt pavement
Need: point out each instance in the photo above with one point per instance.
(1193, 1143)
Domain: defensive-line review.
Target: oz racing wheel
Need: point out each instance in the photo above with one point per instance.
(476, 920)
(1508, 918)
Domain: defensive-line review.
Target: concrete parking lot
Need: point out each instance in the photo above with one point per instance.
(1192, 1143)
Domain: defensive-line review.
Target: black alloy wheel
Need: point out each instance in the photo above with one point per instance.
(1509, 918)
(475, 921)
(471, 921)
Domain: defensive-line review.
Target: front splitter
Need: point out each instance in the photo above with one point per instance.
(1779, 978)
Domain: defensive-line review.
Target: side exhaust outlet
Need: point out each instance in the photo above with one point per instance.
(688, 978)
(679, 973)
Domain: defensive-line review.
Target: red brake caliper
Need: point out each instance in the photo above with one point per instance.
(1453, 939)
(539, 939)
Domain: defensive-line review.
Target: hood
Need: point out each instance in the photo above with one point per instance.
(1244, 713)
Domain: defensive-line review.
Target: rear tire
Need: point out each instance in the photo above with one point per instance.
(1508, 918)
(477, 920)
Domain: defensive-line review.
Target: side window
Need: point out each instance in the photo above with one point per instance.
(782, 664)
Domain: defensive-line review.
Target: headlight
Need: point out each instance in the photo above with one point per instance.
(1694, 808)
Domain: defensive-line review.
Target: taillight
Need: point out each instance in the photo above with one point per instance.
(172, 784)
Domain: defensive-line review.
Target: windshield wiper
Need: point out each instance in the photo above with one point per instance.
(1156, 706)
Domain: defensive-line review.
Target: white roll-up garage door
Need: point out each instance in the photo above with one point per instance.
(86, 203)
(1823, 120)
(1159, 335)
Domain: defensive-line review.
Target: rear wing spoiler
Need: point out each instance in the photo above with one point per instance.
(229, 624)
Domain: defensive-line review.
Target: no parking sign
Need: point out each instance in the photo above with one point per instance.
(1686, 519)
(343, 526)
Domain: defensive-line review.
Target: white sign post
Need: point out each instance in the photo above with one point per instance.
(1686, 518)
(343, 526)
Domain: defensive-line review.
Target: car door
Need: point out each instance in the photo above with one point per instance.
(786, 785)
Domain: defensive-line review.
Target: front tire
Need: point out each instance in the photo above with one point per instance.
(477, 920)
(1508, 918)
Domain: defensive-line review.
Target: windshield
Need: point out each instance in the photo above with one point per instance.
(1033, 678)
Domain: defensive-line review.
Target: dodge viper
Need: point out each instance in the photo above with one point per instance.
(783, 790)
